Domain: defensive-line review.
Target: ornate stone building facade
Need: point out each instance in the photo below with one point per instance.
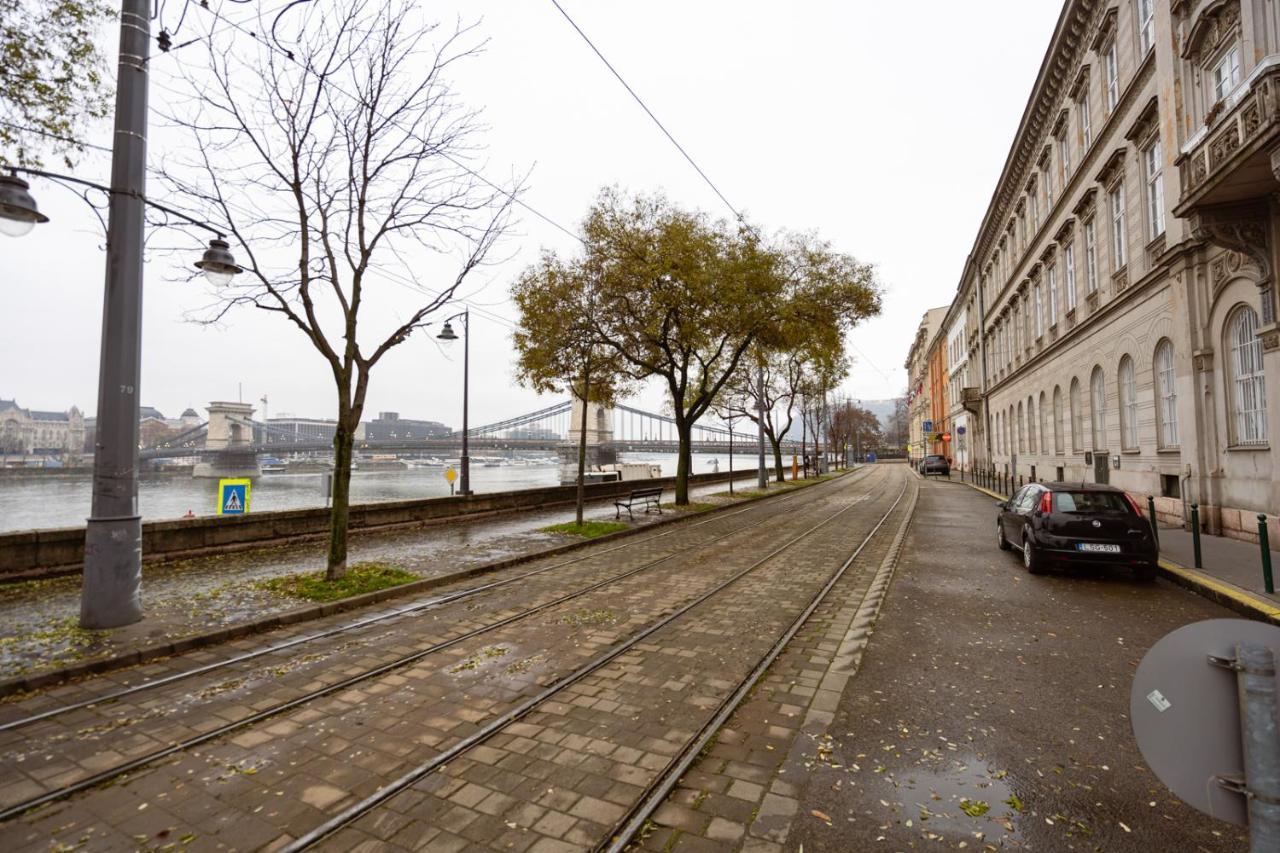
(1120, 291)
(920, 403)
(30, 431)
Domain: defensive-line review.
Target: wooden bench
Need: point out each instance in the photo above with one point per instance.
(646, 497)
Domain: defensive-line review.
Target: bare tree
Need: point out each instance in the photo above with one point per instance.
(339, 167)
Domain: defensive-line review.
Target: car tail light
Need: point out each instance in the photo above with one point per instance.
(1046, 503)
(1133, 505)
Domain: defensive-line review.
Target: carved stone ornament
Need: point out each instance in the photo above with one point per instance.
(1242, 228)
(1113, 169)
(1088, 201)
(1270, 339)
(1214, 25)
(1106, 30)
(1203, 360)
(1147, 123)
(1064, 233)
(1081, 84)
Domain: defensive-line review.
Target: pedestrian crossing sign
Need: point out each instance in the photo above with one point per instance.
(233, 497)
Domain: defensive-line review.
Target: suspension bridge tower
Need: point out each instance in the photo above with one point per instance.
(229, 443)
(600, 450)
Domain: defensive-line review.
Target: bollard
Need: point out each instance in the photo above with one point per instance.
(1265, 544)
(1255, 667)
(1195, 533)
(1151, 514)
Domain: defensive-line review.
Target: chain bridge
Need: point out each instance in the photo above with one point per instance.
(231, 438)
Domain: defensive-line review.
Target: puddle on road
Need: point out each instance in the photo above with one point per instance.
(967, 796)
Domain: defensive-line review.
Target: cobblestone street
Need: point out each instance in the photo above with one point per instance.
(932, 696)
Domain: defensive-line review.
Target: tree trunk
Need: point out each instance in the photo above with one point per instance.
(777, 458)
(684, 462)
(582, 443)
(343, 447)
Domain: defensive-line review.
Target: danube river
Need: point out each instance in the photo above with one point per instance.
(63, 500)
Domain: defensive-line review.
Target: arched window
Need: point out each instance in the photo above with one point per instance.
(1248, 382)
(1057, 420)
(1031, 425)
(1098, 408)
(1044, 429)
(1128, 405)
(1166, 395)
(1077, 417)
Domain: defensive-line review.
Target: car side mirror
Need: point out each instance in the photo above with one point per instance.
(1002, 504)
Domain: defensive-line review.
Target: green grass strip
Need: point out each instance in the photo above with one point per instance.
(359, 579)
(588, 529)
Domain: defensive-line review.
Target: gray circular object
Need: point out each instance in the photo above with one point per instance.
(1186, 714)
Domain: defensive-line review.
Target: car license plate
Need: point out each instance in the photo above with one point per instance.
(1097, 548)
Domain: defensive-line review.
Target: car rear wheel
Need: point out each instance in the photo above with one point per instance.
(1000, 540)
(1030, 558)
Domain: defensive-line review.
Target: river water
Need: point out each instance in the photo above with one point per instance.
(63, 501)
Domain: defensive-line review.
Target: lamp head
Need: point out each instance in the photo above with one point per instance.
(218, 264)
(18, 210)
(447, 333)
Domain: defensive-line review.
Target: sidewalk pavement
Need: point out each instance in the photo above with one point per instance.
(1231, 570)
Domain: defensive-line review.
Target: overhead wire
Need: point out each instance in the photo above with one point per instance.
(648, 112)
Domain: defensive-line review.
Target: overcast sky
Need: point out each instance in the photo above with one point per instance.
(882, 126)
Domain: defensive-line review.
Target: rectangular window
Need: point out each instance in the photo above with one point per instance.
(1112, 83)
(1033, 203)
(1064, 158)
(1022, 227)
(1090, 258)
(1052, 276)
(1069, 275)
(1226, 74)
(1155, 189)
(1039, 310)
(1146, 24)
(1086, 126)
(1118, 245)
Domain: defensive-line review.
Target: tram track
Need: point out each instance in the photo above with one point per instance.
(123, 769)
(331, 828)
(414, 609)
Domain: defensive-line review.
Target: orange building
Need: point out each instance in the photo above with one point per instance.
(939, 404)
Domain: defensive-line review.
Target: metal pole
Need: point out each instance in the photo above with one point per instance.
(762, 479)
(1264, 542)
(111, 592)
(1155, 528)
(730, 456)
(1195, 533)
(1260, 742)
(464, 463)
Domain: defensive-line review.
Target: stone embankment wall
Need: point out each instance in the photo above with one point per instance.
(41, 553)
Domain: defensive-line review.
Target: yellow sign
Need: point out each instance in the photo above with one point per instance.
(233, 497)
(450, 475)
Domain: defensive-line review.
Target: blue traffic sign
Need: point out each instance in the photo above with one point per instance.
(927, 426)
(233, 497)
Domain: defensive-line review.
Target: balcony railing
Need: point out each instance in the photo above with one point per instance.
(1236, 124)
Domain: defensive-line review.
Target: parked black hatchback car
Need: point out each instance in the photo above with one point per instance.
(1074, 523)
(935, 464)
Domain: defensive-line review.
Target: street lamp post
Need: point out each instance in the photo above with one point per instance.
(111, 591)
(112, 587)
(447, 334)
